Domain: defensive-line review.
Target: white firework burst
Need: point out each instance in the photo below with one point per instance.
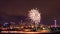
(34, 15)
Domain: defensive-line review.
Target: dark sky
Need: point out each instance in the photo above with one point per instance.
(50, 10)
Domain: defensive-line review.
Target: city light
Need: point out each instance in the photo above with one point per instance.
(55, 23)
(43, 28)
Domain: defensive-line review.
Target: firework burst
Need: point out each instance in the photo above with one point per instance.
(34, 15)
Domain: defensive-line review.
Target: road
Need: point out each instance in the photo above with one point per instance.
(21, 32)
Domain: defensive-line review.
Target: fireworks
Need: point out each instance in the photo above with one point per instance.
(34, 15)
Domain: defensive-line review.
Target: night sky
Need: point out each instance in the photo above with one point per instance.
(49, 10)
